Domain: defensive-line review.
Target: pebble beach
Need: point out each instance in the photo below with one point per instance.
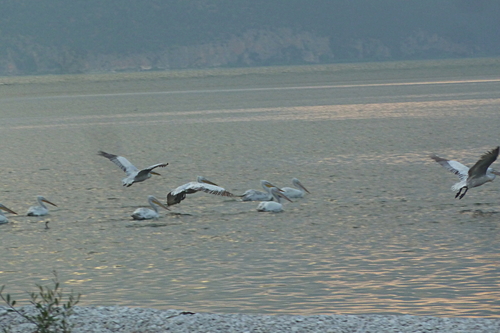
(128, 320)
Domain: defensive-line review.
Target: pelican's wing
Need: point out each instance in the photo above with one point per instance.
(121, 161)
(193, 187)
(179, 193)
(484, 162)
(148, 170)
(456, 167)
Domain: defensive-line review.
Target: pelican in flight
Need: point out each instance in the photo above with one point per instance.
(202, 184)
(479, 174)
(40, 210)
(134, 175)
(146, 213)
(297, 192)
(3, 219)
(254, 195)
(273, 206)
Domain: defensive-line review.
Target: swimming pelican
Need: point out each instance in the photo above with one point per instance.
(40, 210)
(3, 219)
(134, 175)
(254, 195)
(297, 192)
(479, 174)
(146, 213)
(202, 184)
(273, 206)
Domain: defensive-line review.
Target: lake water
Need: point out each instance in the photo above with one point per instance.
(381, 231)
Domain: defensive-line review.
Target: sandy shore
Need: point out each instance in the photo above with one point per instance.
(123, 319)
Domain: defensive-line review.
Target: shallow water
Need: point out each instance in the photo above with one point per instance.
(381, 231)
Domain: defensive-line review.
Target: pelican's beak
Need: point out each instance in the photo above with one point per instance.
(271, 186)
(155, 173)
(160, 204)
(2, 207)
(206, 181)
(47, 201)
(284, 196)
(302, 186)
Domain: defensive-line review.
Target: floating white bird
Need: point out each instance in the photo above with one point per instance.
(146, 213)
(202, 184)
(254, 195)
(134, 175)
(3, 219)
(40, 210)
(273, 206)
(297, 192)
(479, 174)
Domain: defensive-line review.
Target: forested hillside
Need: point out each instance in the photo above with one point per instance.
(60, 36)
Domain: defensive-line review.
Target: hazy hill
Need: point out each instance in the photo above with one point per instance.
(60, 36)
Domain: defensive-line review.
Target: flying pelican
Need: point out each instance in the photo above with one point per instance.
(134, 175)
(3, 219)
(297, 192)
(146, 213)
(273, 206)
(254, 195)
(202, 184)
(479, 174)
(40, 210)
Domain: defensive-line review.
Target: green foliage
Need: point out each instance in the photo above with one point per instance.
(52, 313)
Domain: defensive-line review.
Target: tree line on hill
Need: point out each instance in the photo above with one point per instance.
(59, 36)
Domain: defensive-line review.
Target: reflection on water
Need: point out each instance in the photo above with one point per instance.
(425, 110)
(380, 233)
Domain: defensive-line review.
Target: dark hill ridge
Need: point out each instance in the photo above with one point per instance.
(56, 36)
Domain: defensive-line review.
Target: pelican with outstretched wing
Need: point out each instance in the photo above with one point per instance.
(134, 175)
(479, 174)
(41, 209)
(146, 213)
(4, 219)
(201, 185)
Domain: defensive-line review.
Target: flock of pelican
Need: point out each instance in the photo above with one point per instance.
(202, 184)
(271, 198)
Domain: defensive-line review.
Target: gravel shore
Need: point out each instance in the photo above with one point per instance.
(124, 319)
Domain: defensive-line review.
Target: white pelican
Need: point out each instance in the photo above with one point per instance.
(479, 174)
(146, 213)
(297, 192)
(273, 206)
(202, 184)
(3, 219)
(40, 210)
(134, 175)
(254, 195)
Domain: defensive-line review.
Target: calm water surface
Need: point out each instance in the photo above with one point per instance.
(380, 232)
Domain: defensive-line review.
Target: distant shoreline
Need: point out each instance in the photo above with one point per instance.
(477, 66)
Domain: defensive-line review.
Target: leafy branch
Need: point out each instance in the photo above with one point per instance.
(52, 313)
